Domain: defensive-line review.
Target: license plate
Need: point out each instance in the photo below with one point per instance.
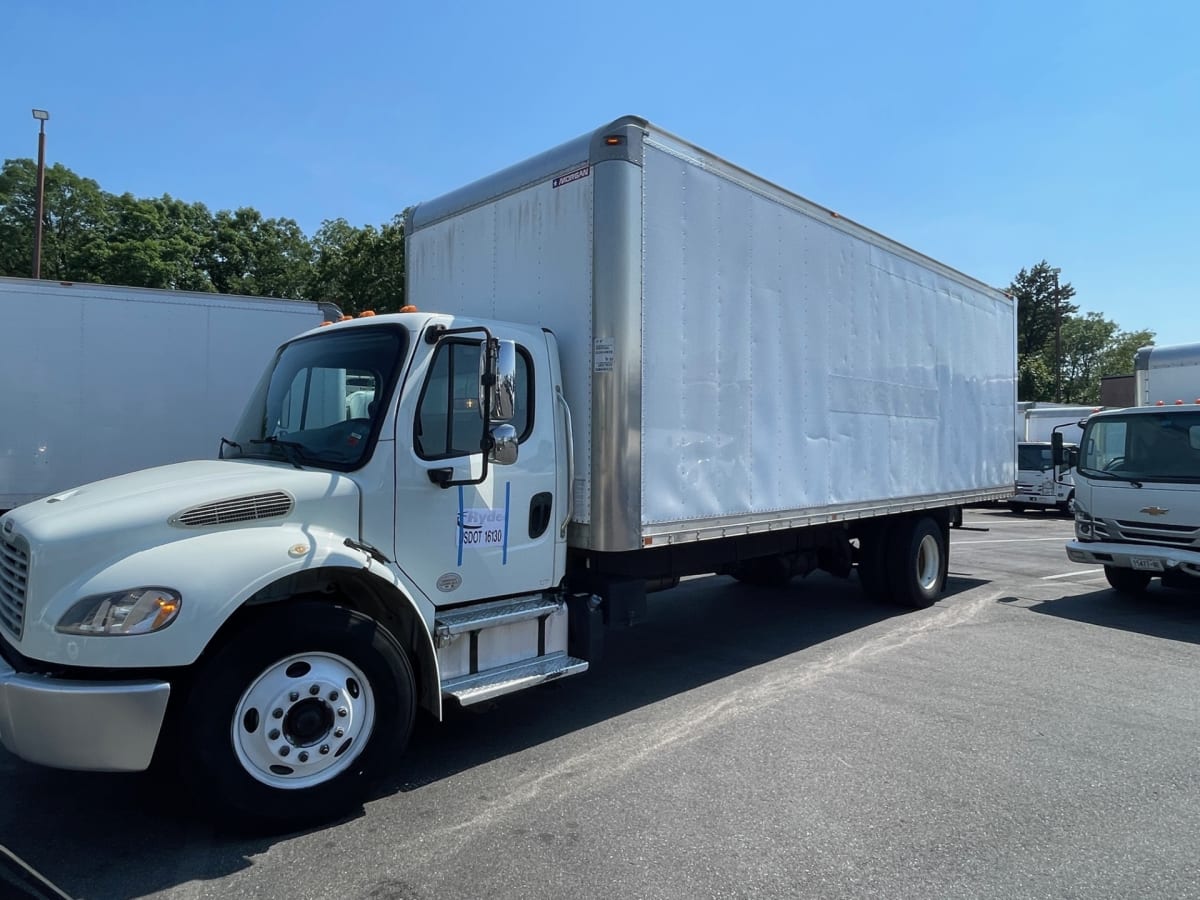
(1146, 563)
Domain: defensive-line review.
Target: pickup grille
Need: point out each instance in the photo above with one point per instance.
(272, 505)
(14, 585)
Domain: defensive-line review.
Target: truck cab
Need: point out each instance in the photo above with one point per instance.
(1137, 501)
(305, 594)
(1042, 483)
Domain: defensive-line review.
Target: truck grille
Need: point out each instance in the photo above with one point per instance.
(14, 584)
(1185, 536)
(237, 509)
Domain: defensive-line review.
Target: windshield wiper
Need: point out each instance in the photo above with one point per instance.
(293, 450)
(226, 442)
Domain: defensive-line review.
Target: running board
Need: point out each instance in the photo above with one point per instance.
(450, 625)
(468, 689)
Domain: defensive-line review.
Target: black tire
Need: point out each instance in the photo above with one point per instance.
(918, 559)
(872, 561)
(252, 704)
(1130, 582)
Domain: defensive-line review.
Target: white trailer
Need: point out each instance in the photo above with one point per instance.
(100, 380)
(1165, 376)
(631, 362)
(1137, 507)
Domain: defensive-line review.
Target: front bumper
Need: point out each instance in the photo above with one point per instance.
(101, 726)
(1147, 557)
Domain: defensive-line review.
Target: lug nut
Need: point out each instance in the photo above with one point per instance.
(324, 749)
(277, 714)
(315, 689)
(303, 757)
(273, 734)
(339, 732)
(343, 712)
(333, 696)
(294, 696)
(285, 750)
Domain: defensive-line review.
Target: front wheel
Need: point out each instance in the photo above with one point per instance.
(1127, 581)
(296, 715)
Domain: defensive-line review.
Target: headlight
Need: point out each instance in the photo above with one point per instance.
(135, 611)
(1083, 525)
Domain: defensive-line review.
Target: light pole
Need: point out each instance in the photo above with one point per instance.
(1057, 340)
(41, 115)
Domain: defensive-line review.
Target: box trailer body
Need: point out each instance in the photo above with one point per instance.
(1138, 479)
(101, 380)
(735, 357)
(1167, 375)
(626, 361)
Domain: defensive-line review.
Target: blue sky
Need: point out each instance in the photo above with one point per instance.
(989, 136)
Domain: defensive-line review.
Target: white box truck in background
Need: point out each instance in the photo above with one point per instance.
(1137, 481)
(1041, 484)
(99, 380)
(631, 362)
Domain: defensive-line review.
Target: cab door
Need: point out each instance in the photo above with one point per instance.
(471, 541)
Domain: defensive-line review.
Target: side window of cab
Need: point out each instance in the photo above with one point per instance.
(449, 419)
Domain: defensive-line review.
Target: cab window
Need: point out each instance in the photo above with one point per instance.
(449, 420)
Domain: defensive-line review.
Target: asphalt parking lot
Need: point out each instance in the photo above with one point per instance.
(1031, 735)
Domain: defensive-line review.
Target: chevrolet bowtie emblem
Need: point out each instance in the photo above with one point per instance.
(1154, 510)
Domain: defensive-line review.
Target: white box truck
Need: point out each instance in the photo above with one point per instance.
(100, 380)
(629, 361)
(1137, 481)
(1042, 484)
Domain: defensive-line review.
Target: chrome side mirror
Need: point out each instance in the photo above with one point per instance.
(504, 445)
(498, 393)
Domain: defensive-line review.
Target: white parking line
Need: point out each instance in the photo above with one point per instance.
(1095, 573)
(1014, 540)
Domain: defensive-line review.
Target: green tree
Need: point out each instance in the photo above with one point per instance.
(261, 257)
(160, 243)
(75, 222)
(359, 268)
(1041, 306)
(1092, 348)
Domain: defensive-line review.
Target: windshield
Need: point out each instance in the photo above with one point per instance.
(1155, 447)
(1034, 458)
(322, 401)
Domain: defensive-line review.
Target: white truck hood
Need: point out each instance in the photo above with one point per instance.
(211, 529)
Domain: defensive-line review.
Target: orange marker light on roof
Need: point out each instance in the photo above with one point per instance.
(345, 318)
(323, 324)
(409, 308)
(366, 313)
(1160, 403)
(614, 140)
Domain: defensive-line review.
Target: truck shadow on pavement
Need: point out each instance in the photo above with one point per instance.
(703, 631)
(1160, 612)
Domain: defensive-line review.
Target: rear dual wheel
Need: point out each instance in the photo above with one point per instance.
(904, 560)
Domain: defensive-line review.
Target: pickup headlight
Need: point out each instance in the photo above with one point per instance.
(135, 611)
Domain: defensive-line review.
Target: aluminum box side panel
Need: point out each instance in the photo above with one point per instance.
(793, 366)
(1167, 374)
(99, 380)
(523, 256)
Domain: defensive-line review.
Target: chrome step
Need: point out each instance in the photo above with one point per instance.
(489, 615)
(468, 689)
